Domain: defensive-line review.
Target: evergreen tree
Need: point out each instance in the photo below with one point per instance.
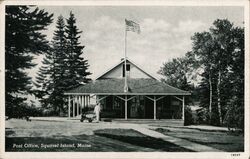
(23, 39)
(77, 66)
(63, 67)
(50, 78)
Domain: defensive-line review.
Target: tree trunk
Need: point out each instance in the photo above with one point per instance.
(218, 97)
(210, 98)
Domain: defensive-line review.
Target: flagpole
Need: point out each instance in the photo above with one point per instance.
(125, 58)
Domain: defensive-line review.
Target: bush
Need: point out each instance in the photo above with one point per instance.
(188, 116)
(25, 110)
(234, 118)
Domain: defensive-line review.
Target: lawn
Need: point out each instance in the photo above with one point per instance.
(80, 143)
(51, 136)
(220, 140)
(136, 138)
(65, 136)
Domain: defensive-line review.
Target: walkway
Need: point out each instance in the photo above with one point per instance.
(180, 142)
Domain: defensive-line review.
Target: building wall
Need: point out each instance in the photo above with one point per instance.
(133, 73)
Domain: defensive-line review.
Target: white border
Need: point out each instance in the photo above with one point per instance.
(117, 155)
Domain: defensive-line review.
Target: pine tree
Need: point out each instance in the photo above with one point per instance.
(63, 67)
(77, 66)
(23, 39)
(50, 78)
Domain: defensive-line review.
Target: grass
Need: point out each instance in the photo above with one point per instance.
(135, 138)
(96, 137)
(111, 137)
(106, 140)
(219, 140)
(91, 143)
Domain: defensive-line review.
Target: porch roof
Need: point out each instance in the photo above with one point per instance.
(136, 87)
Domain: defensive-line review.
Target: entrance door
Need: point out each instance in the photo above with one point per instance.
(133, 111)
(132, 106)
(149, 109)
(136, 109)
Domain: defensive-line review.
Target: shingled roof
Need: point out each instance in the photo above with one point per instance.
(136, 86)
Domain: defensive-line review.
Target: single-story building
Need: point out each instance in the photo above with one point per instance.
(145, 98)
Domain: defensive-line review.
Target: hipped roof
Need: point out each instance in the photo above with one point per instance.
(136, 86)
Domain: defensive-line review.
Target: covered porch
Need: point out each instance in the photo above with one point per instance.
(130, 106)
(145, 99)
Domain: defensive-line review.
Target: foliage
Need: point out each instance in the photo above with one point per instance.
(25, 110)
(50, 78)
(216, 51)
(217, 56)
(63, 67)
(175, 73)
(23, 40)
(189, 120)
(76, 65)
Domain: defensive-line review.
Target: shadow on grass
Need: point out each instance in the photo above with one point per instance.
(135, 138)
(222, 141)
(9, 132)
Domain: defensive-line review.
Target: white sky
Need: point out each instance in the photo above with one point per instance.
(165, 32)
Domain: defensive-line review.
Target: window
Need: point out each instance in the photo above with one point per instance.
(127, 69)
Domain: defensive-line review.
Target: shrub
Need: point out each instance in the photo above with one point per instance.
(188, 116)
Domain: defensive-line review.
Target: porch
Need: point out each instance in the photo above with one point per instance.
(145, 99)
(126, 107)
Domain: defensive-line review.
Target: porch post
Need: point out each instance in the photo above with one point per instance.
(88, 100)
(77, 104)
(154, 108)
(80, 109)
(183, 108)
(69, 107)
(81, 104)
(73, 107)
(84, 103)
(126, 108)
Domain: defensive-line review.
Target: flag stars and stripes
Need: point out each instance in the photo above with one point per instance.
(132, 26)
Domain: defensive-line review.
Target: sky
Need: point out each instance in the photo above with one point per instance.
(166, 32)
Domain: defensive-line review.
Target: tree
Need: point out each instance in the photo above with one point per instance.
(175, 73)
(77, 66)
(203, 46)
(50, 78)
(217, 55)
(235, 108)
(215, 51)
(63, 67)
(23, 39)
(222, 35)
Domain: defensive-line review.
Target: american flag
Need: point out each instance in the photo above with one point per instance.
(132, 26)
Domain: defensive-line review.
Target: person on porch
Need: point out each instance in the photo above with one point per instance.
(97, 111)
